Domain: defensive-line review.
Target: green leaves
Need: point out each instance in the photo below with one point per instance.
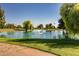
(49, 26)
(1, 12)
(70, 16)
(61, 24)
(27, 25)
(2, 18)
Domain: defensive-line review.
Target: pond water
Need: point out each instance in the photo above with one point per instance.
(34, 34)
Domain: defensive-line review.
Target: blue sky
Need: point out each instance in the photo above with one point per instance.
(38, 13)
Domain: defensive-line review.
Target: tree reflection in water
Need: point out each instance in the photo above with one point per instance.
(27, 34)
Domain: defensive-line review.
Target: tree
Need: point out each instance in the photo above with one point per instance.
(2, 18)
(19, 26)
(10, 26)
(27, 25)
(1, 12)
(61, 24)
(70, 16)
(40, 26)
(49, 26)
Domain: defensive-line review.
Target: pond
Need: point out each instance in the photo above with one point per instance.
(42, 34)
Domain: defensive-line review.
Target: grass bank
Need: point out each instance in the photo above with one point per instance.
(64, 47)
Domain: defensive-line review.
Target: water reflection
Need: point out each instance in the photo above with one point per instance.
(35, 34)
(27, 34)
(3, 36)
(10, 33)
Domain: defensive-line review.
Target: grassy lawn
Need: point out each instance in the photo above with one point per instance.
(62, 47)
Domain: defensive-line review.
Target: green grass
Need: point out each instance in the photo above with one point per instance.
(64, 47)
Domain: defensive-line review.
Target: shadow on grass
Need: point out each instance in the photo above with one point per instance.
(52, 43)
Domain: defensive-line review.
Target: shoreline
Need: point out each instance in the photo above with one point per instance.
(13, 30)
(7, 30)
